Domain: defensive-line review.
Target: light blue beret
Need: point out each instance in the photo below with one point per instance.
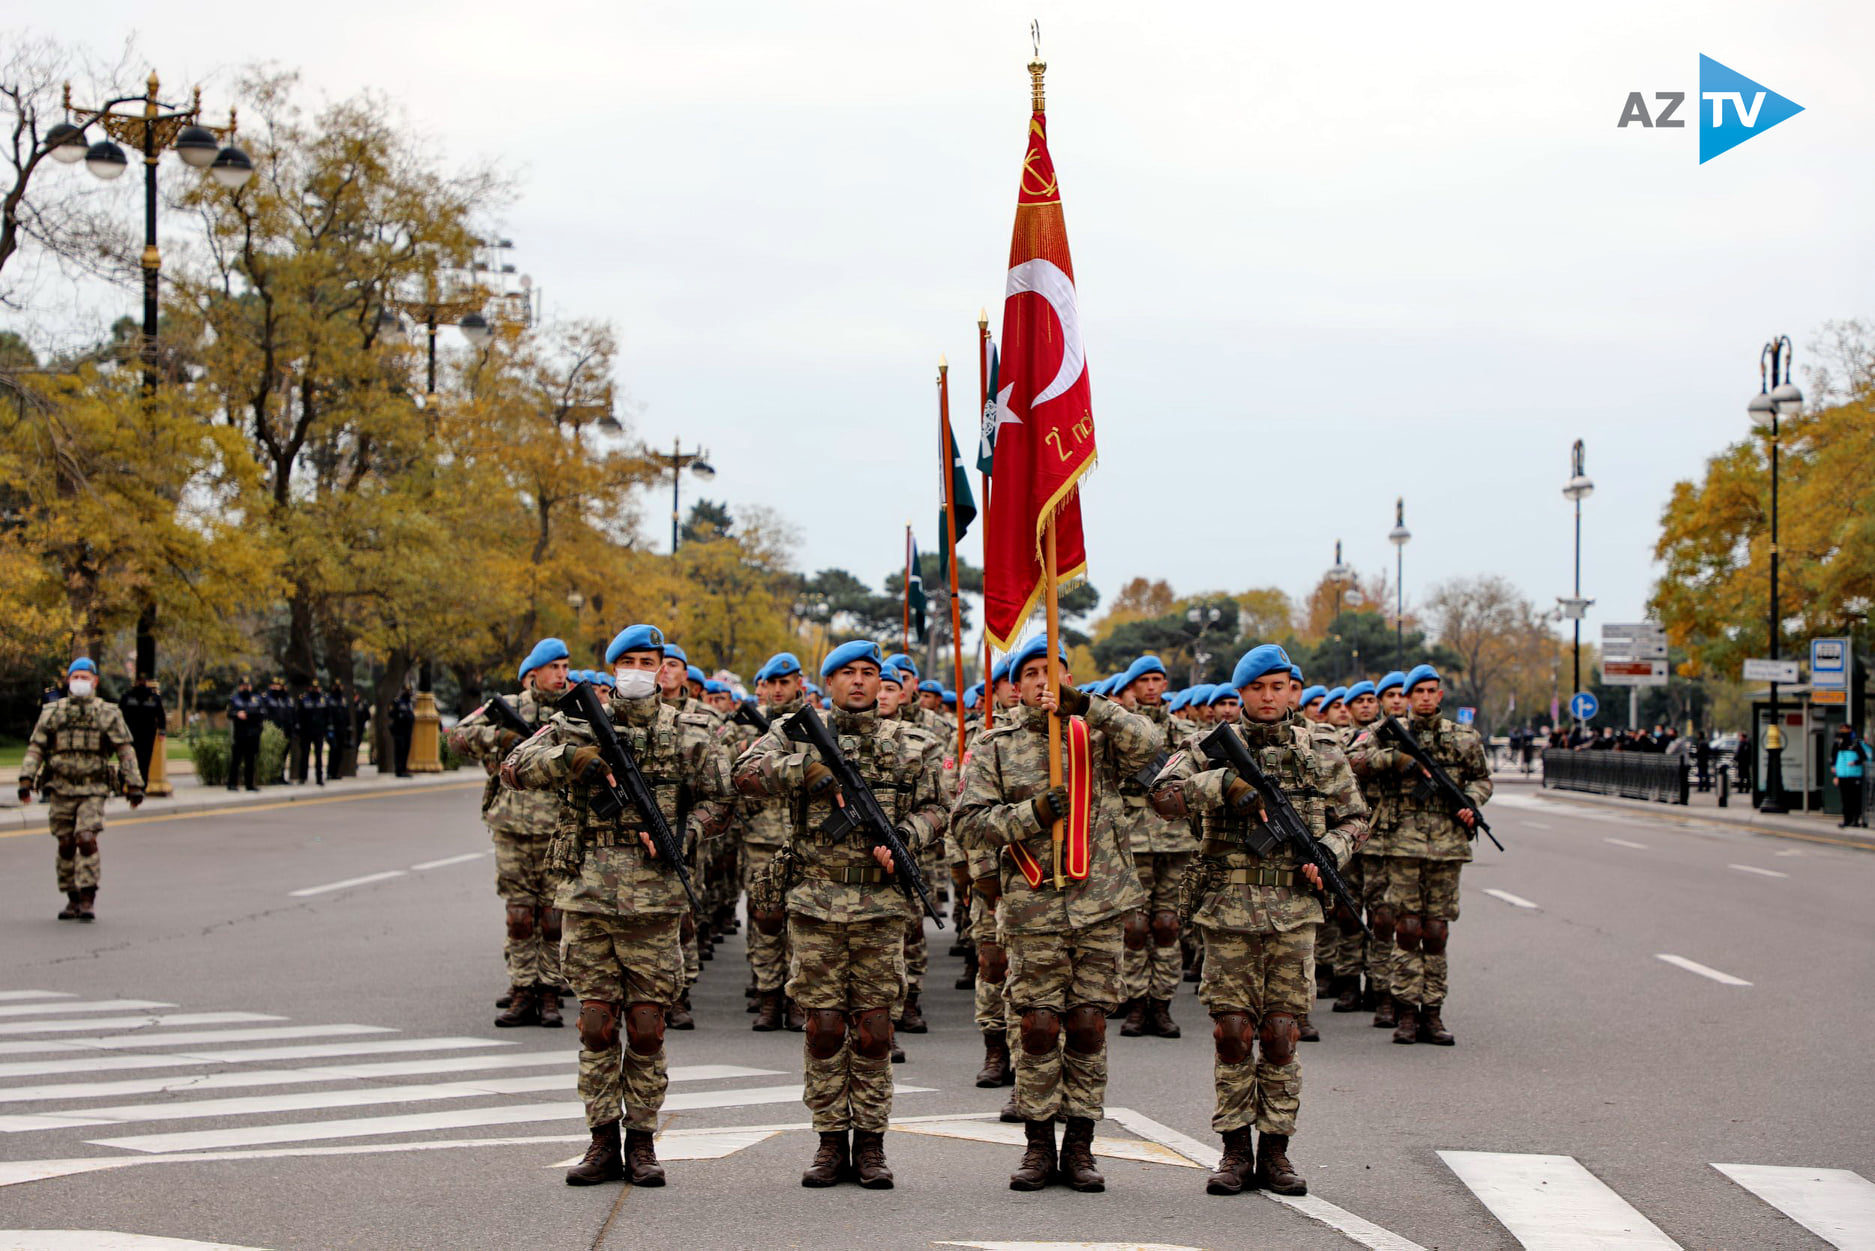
(846, 653)
(1396, 678)
(1199, 693)
(638, 638)
(671, 649)
(1139, 669)
(931, 686)
(1334, 696)
(712, 687)
(1295, 671)
(949, 697)
(1000, 672)
(1418, 674)
(82, 665)
(1310, 694)
(1359, 689)
(695, 674)
(545, 653)
(904, 662)
(1035, 649)
(781, 664)
(1220, 693)
(1265, 658)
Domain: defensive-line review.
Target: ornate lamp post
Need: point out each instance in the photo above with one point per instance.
(1777, 397)
(1577, 489)
(1399, 536)
(677, 460)
(1201, 620)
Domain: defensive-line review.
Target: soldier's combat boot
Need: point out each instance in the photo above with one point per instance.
(995, 1060)
(1386, 1016)
(548, 1001)
(507, 999)
(1406, 1031)
(831, 1161)
(1038, 1161)
(603, 1162)
(898, 1052)
(794, 1019)
(677, 1016)
(911, 1020)
(1274, 1172)
(1135, 1023)
(1324, 978)
(641, 1159)
(1349, 1000)
(70, 911)
(1371, 998)
(523, 1009)
(1431, 1028)
(869, 1160)
(969, 979)
(1159, 1022)
(767, 1012)
(87, 898)
(1305, 1030)
(1237, 1169)
(751, 991)
(706, 946)
(1077, 1157)
(1009, 1115)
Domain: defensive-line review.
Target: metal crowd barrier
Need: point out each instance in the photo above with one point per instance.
(1631, 775)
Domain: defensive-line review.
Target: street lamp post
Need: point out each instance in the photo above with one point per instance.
(677, 460)
(1201, 619)
(1577, 489)
(1338, 573)
(1777, 397)
(1399, 536)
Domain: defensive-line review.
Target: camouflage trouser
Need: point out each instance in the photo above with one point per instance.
(917, 952)
(1353, 953)
(1152, 970)
(991, 1009)
(1058, 972)
(621, 961)
(521, 881)
(846, 968)
(1426, 890)
(1257, 974)
(768, 953)
(76, 822)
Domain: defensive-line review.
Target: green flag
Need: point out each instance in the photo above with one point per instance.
(966, 505)
(914, 591)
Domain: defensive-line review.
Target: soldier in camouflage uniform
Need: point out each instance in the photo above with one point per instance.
(521, 823)
(1064, 942)
(676, 679)
(898, 702)
(767, 827)
(622, 909)
(1258, 916)
(1353, 955)
(79, 753)
(846, 913)
(1382, 791)
(1428, 847)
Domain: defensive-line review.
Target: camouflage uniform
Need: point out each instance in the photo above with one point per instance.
(1063, 945)
(69, 759)
(521, 823)
(623, 910)
(1328, 934)
(767, 825)
(1427, 848)
(1152, 963)
(1356, 955)
(1258, 916)
(846, 915)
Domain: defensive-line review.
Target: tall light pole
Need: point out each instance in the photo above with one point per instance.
(1201, 619)
(677, 460)
(1777, 397)
(1399, 536)
(1577, 489)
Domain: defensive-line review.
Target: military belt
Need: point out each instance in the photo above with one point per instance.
(1263, 875)
(854, 876)
(614, 838)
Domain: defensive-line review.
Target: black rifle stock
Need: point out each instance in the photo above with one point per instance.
(751, 716)
(502, 713)
(862, 810)
(1283, 825)
(628, 789)
(1441, 782)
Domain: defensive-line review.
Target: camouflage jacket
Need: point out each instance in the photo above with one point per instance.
(605, 868)
(1422, 825)
(81, 747)
(762, 821)
(1316, 777)
(899, 762)
(518, 814)
(1146, 830)
(1382, 792)
(1008, 769)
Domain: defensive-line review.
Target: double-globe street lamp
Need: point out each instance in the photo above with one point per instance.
(1573, 606)
(677, 460)
(1777, 397)
(1399, 536)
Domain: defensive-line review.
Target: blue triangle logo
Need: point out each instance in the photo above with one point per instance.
(1732, 108)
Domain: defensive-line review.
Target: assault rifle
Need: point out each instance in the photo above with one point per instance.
(751, 716)
(502, 713)
(862, 810)
(1282, 825)
(628, 789)
(1437, 779)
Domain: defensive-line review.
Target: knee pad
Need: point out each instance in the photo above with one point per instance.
(644, 1028)
(68, 847)
(770, 923)
(1231, 1033)
(872, 1033)
(1087, 1029)
(1041, 1029)
(1278, 1036)
(520, 921)
(88, 844)
(1380, 920)
(1434, 936)
(1344, 917)
(826, 1032)
(598, 1025)
(1133, 931)
(1165, 928)
(992, 962)
(550, 925)
(1406, 933)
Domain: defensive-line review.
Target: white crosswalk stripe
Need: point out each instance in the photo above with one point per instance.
(1552, 1203)
(1835, 1204)
(96, 1005)
(138, 1041)
(14, 1028)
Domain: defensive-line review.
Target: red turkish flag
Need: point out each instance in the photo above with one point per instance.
(1045, 432)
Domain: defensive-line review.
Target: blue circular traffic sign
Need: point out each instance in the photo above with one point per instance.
(1583, 706)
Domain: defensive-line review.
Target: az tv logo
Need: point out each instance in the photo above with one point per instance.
(1732, 109)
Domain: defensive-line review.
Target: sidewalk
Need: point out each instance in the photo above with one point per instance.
(192, 797)
(1703, 809)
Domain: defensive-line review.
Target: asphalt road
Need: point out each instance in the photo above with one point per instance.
(1595, 1084)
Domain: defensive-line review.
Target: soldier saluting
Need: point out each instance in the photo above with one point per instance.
(80, 752)
(1258, 914)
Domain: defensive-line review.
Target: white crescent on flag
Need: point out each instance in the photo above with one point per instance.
(1047, 280)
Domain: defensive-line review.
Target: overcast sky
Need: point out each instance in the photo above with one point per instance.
(1326, 256)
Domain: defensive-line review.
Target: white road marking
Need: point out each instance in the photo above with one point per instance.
(1539, 825)
(135, 1022)
(95, 1005)
(1552, 1203)
(1515, 901)
(1792, 852)
(137, 1042)
(1747, 868)
(1835, 1204)
(1693, 966)
(438, 864)
(8, 995)
(1071, 1246)
(104, 1240)
(347, 883)
(185, 1083)
(187, 1059)
(416, 1122)
(1622, 842)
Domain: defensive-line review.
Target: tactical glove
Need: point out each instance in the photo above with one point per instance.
(135, 796)
(818, 779)
(1240, 795)
(1051, 805)
(26, 794)
(1074, 703)
(588, 767)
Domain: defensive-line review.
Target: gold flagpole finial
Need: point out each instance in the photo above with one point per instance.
(943, 362)
(1037, 66)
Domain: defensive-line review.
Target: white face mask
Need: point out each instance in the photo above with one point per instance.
(81, 687)
(636, 683)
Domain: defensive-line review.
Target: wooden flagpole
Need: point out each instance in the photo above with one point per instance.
(945, 443)
(904, 628)
(983, 402)
(1059, 833)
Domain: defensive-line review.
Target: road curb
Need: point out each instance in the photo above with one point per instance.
(1832, 835)
(118, 811)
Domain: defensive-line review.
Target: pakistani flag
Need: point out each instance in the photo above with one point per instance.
(986, 441)
(966, 505)
(914, 590)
